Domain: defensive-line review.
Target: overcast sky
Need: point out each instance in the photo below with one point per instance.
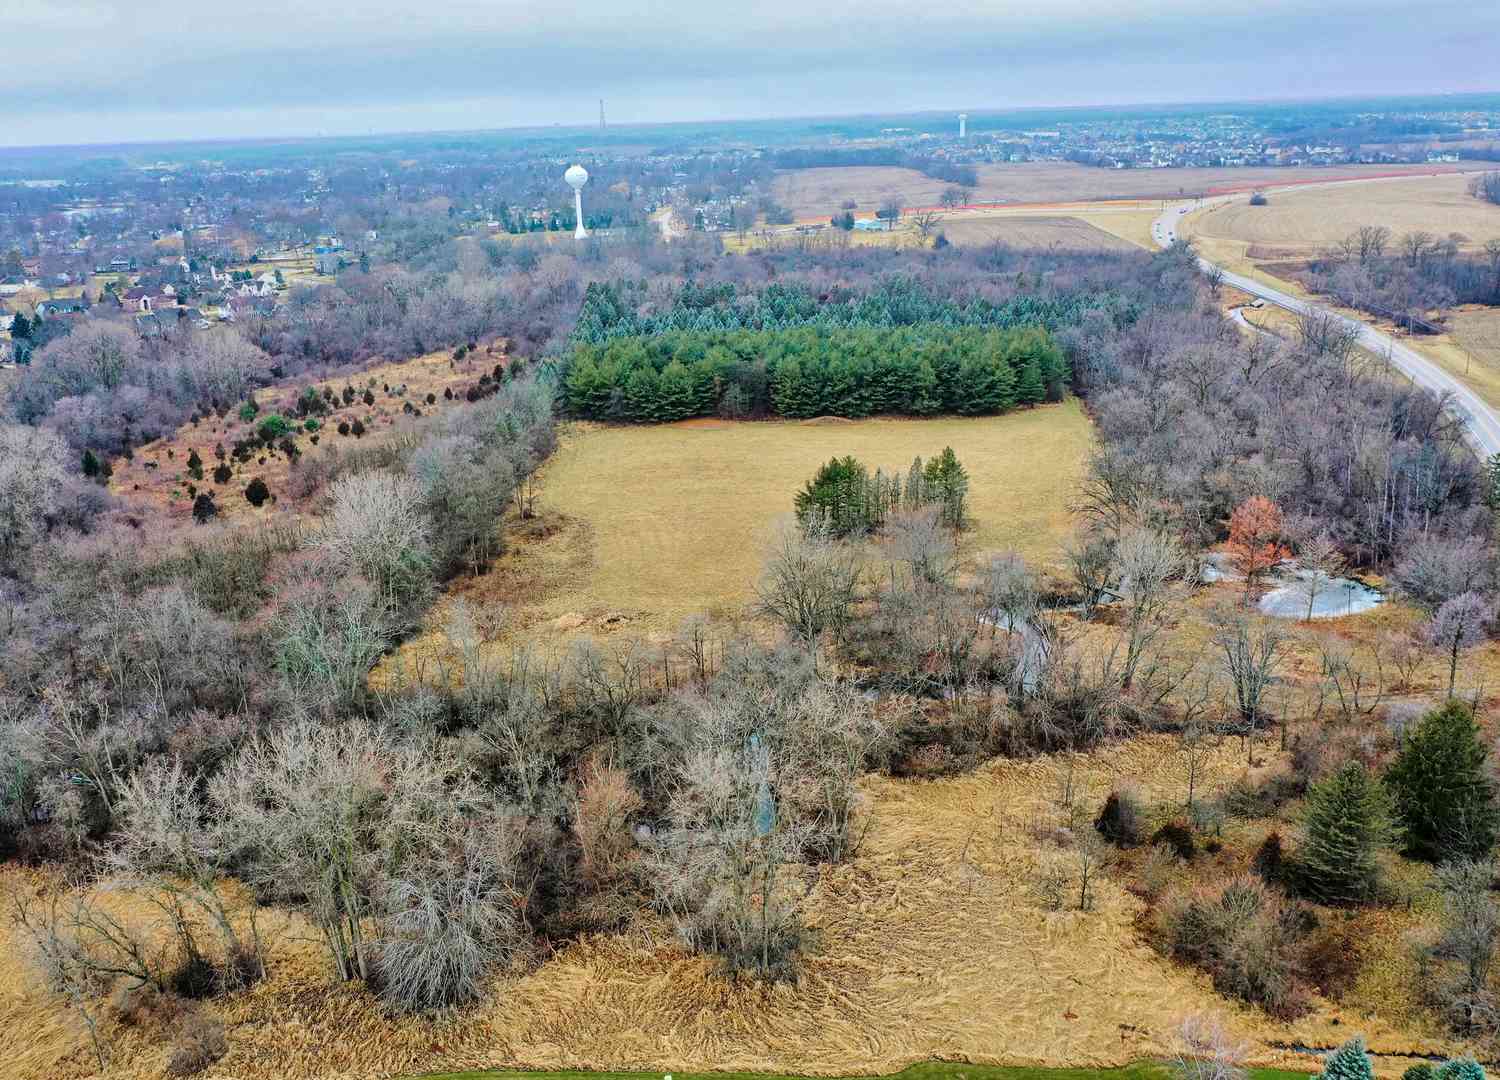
(107, 71)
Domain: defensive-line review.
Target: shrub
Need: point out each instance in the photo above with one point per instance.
(1464, 1068)
(357, 428)
(343, 428)
(1178, 837)
(223, 473)
(199, 1043)
(195, 465)
(1422, 1071)
(1348, 1062)
(1246, 938)
(204, 507)
(272, 428)
(1119, 821)
(256, 492)
(1269, 861)
(249, 410)
(1440, 782)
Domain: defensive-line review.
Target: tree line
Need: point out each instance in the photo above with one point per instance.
(621, 308)
(815, 371)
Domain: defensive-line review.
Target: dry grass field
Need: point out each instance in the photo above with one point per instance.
(155, 478)
(818, 193)
(1038, 233)
(641, 527)
(887, 983)
(1298, 222)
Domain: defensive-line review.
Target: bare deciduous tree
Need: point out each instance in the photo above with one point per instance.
(1250, 651)
(1147, 565)
(1206, 1051)
(1460, 624)
(809, 585)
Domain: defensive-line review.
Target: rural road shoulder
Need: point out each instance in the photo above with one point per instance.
(1481, 422)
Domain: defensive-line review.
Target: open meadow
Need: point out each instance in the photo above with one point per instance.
(819, 193)
(640, 527)
(1043, 233)
(1299, 222)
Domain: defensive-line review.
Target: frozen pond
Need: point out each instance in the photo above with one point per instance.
(1335, 598)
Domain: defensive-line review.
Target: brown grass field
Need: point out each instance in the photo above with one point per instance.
(641, 527)
(1039, 233)
(928, 944)
(1298, 222)
(818, 193)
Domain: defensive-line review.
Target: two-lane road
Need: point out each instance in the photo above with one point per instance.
(1481, 421)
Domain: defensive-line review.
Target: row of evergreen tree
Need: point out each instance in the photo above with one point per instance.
(619, 309)
(815, 371)
(845, 499)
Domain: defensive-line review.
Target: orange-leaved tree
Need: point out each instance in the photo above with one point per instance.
(1255, 540)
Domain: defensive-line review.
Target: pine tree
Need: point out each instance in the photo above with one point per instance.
(916, 494)
(195, 465)
(1492, 483)
(1464, 1068)
(1440, 781)
(946, 482)
(1348, 1062)
(1347, 822)
(1030, 389)
(90, 464)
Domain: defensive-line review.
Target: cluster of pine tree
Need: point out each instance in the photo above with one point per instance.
(845, 499)
(620, 309)
(815, 371)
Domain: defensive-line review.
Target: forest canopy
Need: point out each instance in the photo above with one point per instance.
(815, 371)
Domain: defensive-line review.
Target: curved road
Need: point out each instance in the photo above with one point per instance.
(1481, 421)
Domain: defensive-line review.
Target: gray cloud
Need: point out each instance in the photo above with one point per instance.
(104, 70)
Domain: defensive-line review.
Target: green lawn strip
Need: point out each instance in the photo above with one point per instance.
(930, 1070)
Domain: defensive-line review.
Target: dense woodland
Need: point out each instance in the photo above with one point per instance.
(815, 371)
(185, 709)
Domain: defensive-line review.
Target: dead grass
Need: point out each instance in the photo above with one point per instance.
(1298, 222)
(819, 193)
(1038, 233)
(929, 944)
(155, 481)
(643, 526)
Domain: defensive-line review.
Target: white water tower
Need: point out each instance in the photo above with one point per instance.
(577, 176)
(963, 125)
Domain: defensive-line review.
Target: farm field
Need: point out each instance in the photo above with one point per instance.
(1040, 233)
(643, 526)
(1297, 223)
(819, 193)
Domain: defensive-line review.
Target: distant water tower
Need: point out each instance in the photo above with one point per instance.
(577, 176)
(963, 125)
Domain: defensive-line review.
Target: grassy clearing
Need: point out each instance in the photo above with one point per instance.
(927, 1070)
(1299, 222)
(679, 514)
(1040, 233)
